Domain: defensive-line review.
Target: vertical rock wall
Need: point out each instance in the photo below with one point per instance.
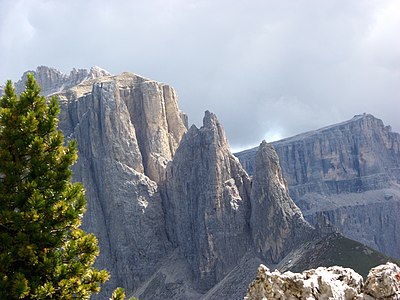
(348, 171)
(121, 124)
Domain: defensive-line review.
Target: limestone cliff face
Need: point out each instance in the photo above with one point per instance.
(354, 156)
(277, 223)
(133, 115)
(127, 128)
(350, 171)
(370, 217)
(207, 203)
(216, 215)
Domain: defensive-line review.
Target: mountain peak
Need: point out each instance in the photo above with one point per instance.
(210, 120)
(53, 81)
(96, 71)
(271, 205)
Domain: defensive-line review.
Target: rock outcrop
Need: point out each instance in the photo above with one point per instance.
(383, 282)
(127, 128)
(272, 208)
(207, 203)
(350, 172)
(215, 214)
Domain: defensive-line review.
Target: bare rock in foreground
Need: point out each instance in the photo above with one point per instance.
(383, 282)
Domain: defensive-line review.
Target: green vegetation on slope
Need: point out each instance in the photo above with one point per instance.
(335, 250)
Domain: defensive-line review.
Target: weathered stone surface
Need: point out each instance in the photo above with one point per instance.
(217, 216)
(207, 203)
(276, 222)
(339, 283)
(383, 282)
(53, 81)
(354, 156)
(367, 217)
(127, 128)
(350, 171)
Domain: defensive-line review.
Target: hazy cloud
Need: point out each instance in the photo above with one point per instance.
(266, 68)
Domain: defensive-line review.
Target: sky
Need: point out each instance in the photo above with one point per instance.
(267, 69)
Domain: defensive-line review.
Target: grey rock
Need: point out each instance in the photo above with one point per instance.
(383, 282)
(220, 219)
(127, 127)
(366, 217)
(235, 283)
(207, 203)
(276, 222)
(53, 81)
(353, 156)
(172, 280)
(345, 171)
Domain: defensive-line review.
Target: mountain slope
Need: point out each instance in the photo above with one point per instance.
(351, 172)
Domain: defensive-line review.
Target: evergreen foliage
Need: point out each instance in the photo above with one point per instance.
(118, 294)
(43, 252)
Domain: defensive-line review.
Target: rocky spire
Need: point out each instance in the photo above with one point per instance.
(276, 222)
(326, 283)
(207, 203)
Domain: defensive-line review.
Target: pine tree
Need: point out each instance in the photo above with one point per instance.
(43, 252)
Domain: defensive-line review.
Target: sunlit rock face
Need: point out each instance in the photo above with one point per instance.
(383, 282)
(349, 171)
(127, 128)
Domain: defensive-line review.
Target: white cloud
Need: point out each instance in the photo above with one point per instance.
(261, 66)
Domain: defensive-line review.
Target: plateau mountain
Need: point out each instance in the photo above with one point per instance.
(349, 172)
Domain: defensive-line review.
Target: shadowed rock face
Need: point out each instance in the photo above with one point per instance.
(277, 223)
(351, 172)
(215, 214)
(207, 203)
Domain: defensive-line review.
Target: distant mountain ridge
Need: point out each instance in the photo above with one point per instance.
(53, 81)
(349, 171)
(176, 214)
